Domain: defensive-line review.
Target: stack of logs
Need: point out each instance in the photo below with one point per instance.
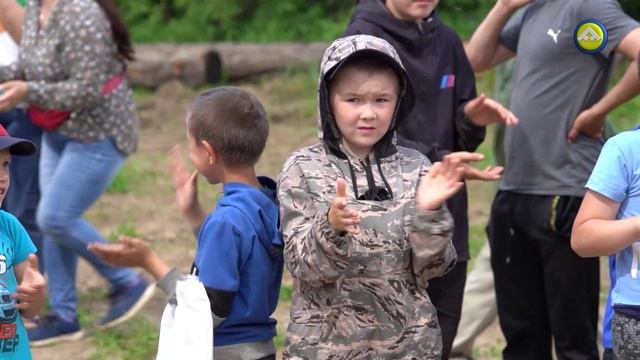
(200, 64)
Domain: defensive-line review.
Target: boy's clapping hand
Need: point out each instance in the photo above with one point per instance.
(185, 184)
(490, 173)
(484, 111)
(30, 291)
(341, 218)
(443, 180)
(128, 251)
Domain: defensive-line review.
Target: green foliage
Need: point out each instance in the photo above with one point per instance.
(275, 20)
(134, 176)
(477, 238)
(285, 292)
(300, 80)
(123, 182)
(239, 20)
(267, 20)
(123, 229)
(136, 341)
(279, 340)
(464, 15)
(626, 116)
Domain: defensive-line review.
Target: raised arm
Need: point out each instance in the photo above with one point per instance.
(628, 86)
(484, 49)
(314, 251)
(432, 227)
(185, 184)
(624, 39)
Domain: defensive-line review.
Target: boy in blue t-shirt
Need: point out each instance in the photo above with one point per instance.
(609, 222)
(18, 264)
(239, 250)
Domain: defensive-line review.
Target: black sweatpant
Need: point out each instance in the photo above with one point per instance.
(446, 295)
(543, 288)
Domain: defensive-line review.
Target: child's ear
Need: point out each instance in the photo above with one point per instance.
(211, 151)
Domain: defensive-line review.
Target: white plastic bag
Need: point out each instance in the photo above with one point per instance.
(186, 329)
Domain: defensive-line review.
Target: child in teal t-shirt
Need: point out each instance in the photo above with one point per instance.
(21, 284)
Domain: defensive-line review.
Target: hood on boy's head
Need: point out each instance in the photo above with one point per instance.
(336, 55)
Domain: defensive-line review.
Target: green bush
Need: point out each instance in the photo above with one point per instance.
(237, 20)
(265, 20)
(275, 20)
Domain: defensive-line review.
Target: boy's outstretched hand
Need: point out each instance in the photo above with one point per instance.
(484, 111)
(440, 183)
(341, 218)
(130, 251)
(185, 184)
(30, 291)
(490, 173)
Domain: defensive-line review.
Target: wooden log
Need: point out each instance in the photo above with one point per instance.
(199, 64)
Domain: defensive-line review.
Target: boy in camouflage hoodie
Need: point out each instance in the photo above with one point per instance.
(363, 220)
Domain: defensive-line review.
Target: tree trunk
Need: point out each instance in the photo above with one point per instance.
(199, 64)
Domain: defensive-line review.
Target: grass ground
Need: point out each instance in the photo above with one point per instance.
(140, 202)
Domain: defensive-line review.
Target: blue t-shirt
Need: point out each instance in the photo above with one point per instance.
(15, 247)
(239, 252)
(617, 176)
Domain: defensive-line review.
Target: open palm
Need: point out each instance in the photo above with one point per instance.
(441, 182)
(185, 182)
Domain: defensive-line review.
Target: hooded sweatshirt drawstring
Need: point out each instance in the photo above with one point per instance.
(384, 180)
(354, 182)
(371, 182)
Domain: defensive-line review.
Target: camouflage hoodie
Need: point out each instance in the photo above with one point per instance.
(361, 296)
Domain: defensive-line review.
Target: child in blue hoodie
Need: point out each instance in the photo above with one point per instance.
(239, 249)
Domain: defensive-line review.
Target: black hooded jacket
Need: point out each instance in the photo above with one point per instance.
(443, 81)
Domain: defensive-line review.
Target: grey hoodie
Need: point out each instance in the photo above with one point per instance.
(361, 296)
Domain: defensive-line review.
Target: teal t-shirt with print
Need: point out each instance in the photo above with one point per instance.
(15, 247)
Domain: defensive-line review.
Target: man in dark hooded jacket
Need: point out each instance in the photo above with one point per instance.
(448, 117)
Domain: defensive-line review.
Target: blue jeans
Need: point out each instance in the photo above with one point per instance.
(24, 191)
(73, 175)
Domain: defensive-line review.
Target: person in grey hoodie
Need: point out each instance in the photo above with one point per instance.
(362, 256)
(448, 118)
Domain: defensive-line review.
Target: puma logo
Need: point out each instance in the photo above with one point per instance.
(554, 35)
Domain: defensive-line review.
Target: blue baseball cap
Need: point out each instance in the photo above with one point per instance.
(16, 146)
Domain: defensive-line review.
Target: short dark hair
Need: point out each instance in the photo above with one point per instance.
(365, 63)
(233, 121)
